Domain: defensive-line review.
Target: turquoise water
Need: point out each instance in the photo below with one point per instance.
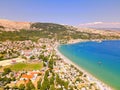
(100, 59)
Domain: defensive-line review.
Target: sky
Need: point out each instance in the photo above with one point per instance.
(71, 12)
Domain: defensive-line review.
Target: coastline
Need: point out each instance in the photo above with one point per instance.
(84, 40)
(99, 83)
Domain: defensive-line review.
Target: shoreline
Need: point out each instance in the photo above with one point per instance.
(87, 40)
(99, 83)
(84, 40)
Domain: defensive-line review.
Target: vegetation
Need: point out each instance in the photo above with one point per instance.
(4, 80)
(6, 71)
(62, 82)
(25, 66)
(49, 27)
(2, 27)
(3, 55)
(22, 87)
(39, 84)
(48, 30)
(50, 64)
(45, 84)
(30, 86)
(50, 79)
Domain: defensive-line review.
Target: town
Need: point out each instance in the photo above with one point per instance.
(37, 66)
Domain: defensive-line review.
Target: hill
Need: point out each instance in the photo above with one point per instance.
(114, 26)
(20, 31)
(8, 25)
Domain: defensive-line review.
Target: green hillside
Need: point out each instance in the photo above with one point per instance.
(48, 30)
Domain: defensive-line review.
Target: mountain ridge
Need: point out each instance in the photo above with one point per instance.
(35, 30)
(101, 25)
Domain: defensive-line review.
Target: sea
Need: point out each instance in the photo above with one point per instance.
(100, 59)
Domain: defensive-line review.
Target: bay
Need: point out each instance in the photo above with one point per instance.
(101, 59)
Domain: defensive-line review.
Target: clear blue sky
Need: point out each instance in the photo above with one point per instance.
(71, 12)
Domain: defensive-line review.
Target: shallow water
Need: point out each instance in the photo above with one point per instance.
(100, 59)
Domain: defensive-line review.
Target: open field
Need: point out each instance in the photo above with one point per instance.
(9, 61)
(24, 66)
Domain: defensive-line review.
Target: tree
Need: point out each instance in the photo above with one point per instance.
(71, 88)
(13, 79)
(32, 57)
(2, 27)
(50, 65)
(46, 84)
(15, 88)
(44, 64)
(22, 87)
(62, 82)
(45, 59)
(29, 85)
(52, 80)
(1, 56)
(39, 84)
(8, 80)
(7, 88)
(65, 84)
(44, 46)
(46, 74)
(52, 87)
(6, 71)
(41, 56)
(24, 57)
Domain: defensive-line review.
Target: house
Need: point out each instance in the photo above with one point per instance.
(30, 76)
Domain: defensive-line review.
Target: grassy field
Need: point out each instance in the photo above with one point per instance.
(24, 66)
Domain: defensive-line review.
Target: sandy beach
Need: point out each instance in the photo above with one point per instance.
(91, 78)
